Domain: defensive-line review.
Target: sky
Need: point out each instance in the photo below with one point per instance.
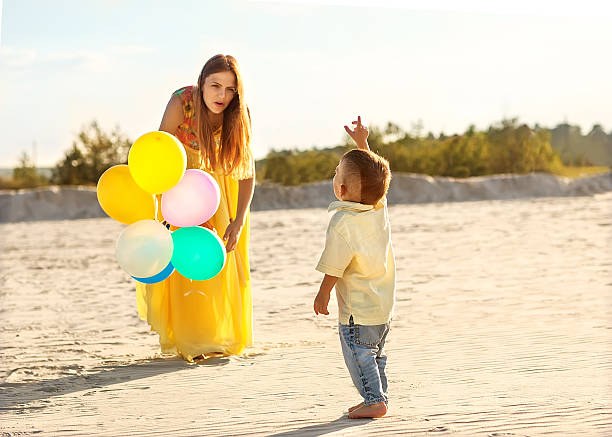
(309, 68)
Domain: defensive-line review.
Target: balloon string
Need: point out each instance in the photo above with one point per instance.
(155, 197)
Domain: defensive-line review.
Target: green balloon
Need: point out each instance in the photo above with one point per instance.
(199, 254)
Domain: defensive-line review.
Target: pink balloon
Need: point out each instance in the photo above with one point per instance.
(193, 201)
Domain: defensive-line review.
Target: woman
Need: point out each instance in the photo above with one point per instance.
(199, 318)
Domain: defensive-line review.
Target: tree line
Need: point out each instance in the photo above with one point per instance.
(504, 147)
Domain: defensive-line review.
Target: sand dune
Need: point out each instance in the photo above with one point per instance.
(65, 203)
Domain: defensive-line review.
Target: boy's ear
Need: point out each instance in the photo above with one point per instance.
(343, 190)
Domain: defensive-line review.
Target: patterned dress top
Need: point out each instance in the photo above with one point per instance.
(186, 131)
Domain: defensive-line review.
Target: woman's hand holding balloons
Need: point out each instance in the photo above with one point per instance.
(208, 225)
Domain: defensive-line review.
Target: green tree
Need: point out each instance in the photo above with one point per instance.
(25, 174)
(91, 155)
(518, 149)
(71, 170)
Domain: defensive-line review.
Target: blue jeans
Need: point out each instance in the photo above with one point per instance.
(363, 350)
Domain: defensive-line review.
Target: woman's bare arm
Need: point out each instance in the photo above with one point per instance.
(173, 115)
(245, 195)
(246, 187)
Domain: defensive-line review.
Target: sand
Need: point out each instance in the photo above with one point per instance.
(503, 327)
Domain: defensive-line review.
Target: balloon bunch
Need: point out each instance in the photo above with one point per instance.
(147, 249)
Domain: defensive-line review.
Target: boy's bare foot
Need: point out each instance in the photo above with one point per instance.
(369, 411)
(354, 407)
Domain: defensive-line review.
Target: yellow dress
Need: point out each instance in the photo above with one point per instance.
(202, 317)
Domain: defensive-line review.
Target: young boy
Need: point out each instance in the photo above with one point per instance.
(358, 260)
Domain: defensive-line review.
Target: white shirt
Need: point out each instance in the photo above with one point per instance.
(358, 250)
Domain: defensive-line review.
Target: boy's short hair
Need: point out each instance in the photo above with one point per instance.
(374, 172)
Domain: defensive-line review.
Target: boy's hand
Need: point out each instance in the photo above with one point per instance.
(360, 134)
(322, 299)
(320, 303)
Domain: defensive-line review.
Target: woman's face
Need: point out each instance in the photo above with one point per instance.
(219, 90)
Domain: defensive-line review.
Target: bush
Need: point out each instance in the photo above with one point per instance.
(25, 175)
(90, 156)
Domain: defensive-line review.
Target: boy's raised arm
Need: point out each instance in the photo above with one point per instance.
(359, 135)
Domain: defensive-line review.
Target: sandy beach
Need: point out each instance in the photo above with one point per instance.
(503, 327)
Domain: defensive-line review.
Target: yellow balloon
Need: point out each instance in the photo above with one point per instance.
(157, 161)
(122, 199)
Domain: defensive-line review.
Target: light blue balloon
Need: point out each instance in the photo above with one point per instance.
(165, 273)
(199, 254)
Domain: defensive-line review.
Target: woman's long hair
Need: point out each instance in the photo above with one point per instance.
(234, 154)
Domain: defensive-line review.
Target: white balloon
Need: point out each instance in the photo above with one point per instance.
(144, 248)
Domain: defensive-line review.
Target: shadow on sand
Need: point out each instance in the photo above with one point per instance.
(325, 428)
(15, 396)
